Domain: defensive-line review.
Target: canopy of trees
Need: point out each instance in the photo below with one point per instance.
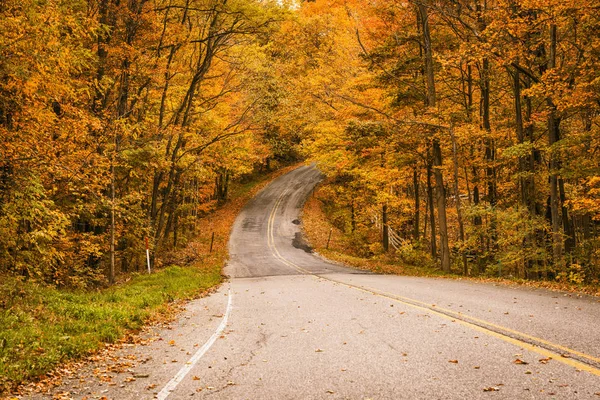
(470, 127)
(121, 120)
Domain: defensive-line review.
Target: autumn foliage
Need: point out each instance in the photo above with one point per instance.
(470, 129)
(466, 130)
(125, 120)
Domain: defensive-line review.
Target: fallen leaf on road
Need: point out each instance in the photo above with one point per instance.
(545, 360)
(453, 361)
(318, 351)
(330, 392)
(171, 343)
(141, 376)
(491, 389)
(520, 362)
(150, 387)
(565, 355)
(196, 378)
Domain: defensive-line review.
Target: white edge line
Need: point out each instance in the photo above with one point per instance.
(172, 384)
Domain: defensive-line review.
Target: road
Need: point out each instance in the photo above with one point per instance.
(290, 325)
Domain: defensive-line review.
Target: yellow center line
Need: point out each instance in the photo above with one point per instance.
(468, 321)
(271, 237)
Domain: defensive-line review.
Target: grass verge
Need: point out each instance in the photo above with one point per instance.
(318, 226)
(43, 327)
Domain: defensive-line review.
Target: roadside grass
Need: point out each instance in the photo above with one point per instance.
(317, 226)
(42, 327)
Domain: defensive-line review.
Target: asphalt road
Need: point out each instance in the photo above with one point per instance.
(289, 325)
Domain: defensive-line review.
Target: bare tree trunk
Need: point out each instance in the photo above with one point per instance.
(461, 228)
(553, 138)
(441, 203)
(111, 274)
(431, 209)
(427, 54)
(417, 205)
(437, 151)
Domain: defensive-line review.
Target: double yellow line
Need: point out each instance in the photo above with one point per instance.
(271, 237)
(556, 352)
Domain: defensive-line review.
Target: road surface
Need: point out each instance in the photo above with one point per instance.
(289, 325)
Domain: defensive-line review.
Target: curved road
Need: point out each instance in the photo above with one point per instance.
(290, 325)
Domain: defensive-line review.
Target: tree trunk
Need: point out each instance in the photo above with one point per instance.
(427, 54)
(353, 217)
(441, 203)
(461, 228)
(417, 206)
(553, 138)
(386, 229)
(437, 151)
(431, 209)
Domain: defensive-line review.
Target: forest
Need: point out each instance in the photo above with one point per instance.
(467, 131)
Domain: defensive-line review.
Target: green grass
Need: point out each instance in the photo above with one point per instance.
(41, 327)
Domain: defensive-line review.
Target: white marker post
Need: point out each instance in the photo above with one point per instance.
(148, 254)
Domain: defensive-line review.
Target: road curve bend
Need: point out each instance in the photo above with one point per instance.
(289, 325)
(268, 232)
